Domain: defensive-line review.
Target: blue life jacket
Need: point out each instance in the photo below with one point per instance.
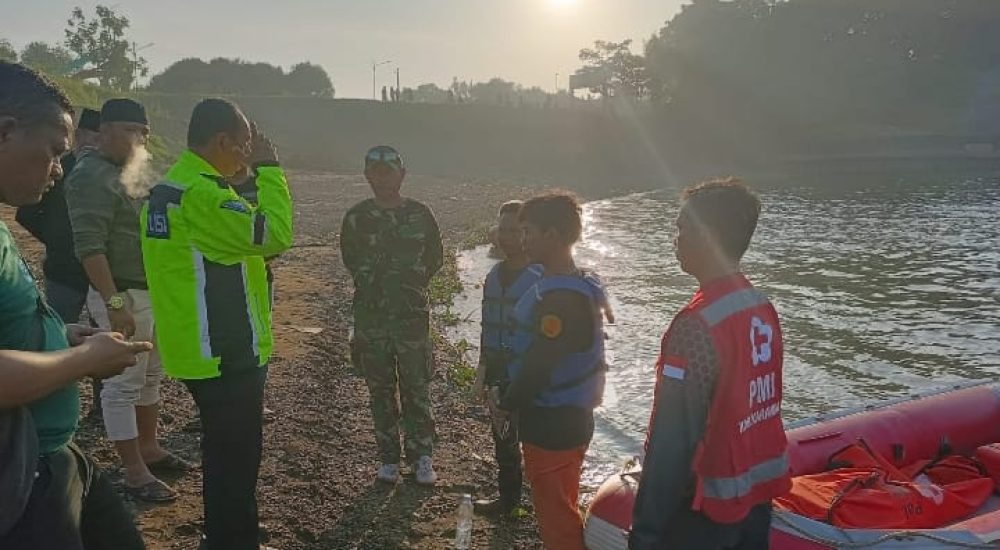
(578, 379)
(498, 309)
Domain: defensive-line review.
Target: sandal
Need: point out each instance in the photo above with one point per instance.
(155, 491)
(170, 463)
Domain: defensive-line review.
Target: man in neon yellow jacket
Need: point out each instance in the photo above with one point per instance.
(204, 248)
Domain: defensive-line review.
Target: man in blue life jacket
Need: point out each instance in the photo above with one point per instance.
(557, 368)
(504, 286)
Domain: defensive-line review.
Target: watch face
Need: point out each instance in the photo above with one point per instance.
(116, 302)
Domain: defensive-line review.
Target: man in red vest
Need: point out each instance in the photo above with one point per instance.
(715, 451)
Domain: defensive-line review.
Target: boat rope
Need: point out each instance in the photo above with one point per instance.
(899, 535)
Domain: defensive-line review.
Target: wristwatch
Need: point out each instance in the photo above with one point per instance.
(115, 302)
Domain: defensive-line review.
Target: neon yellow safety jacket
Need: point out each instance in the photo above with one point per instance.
(203, 248)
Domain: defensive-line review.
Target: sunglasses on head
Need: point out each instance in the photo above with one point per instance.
(383, 155)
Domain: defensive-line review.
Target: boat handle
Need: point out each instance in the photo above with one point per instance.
(821, 437)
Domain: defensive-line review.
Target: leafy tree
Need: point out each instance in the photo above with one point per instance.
(234, 76)
(614, 70)
(495, 92)
(54, 60)
(827, 65)
(103, 49)
(429, 93)
(308, 79)
(7, 52)
(184, 76)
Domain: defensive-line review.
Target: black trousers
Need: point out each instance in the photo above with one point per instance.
(230, 407)
(509, 474)
(695, 531)
(73, 506)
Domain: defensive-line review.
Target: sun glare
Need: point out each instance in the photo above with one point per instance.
(562, 4)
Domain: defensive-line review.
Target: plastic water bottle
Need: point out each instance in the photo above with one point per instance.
(463, 534)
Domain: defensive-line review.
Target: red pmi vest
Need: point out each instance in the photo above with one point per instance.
(741, 461)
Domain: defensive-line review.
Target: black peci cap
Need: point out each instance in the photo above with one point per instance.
(123, 110)
(89, 120)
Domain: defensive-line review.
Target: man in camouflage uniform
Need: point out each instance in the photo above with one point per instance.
(392, 247)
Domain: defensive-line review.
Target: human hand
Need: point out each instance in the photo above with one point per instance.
(106, 354)
(122, 322)
(261, 148)
(479, 386)
(77, 334)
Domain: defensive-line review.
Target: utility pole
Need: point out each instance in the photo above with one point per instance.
(398, 91)
(375, 78)
(135, 63)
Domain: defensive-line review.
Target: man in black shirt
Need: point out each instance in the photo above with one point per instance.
(557, 371)
(48, 221)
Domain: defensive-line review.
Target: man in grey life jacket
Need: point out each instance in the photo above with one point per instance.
(715, 451)
(557, 367)
(504, 286)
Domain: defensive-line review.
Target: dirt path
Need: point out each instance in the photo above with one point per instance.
(316, 481)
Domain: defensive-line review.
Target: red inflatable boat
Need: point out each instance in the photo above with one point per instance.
(961, 419)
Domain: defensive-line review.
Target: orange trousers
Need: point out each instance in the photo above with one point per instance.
(555, 492)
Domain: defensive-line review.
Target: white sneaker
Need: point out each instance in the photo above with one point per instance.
(425, 471)
(388, 473)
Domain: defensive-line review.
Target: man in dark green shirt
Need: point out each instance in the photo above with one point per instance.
(71, 504)
(104, 210)
(392, 247)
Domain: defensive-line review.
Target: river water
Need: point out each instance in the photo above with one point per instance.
(882, 291)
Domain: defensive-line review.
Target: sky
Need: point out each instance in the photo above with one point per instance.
(527, 41)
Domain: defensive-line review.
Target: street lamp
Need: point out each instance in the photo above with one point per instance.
(375, 80)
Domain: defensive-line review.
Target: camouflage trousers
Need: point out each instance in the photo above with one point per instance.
(396, 360)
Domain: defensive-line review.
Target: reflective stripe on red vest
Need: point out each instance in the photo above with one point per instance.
(740, 461)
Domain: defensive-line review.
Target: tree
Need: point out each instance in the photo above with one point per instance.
(612, 69)
(430, 93)
(234, 76)
(53, 60)
(802, 68)
(495, 92)
(308, 79)
(103, 49)
(7, 52)
(184, 76)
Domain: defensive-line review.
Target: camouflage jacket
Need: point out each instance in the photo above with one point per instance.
(392, 255)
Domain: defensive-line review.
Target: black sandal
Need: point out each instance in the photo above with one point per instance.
(170, 463)
(155, 491)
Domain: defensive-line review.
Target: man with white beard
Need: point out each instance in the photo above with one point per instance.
(104, 198)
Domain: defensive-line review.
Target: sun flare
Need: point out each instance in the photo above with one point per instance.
(562, 4)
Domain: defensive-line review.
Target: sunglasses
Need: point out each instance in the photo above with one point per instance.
(383, 155)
